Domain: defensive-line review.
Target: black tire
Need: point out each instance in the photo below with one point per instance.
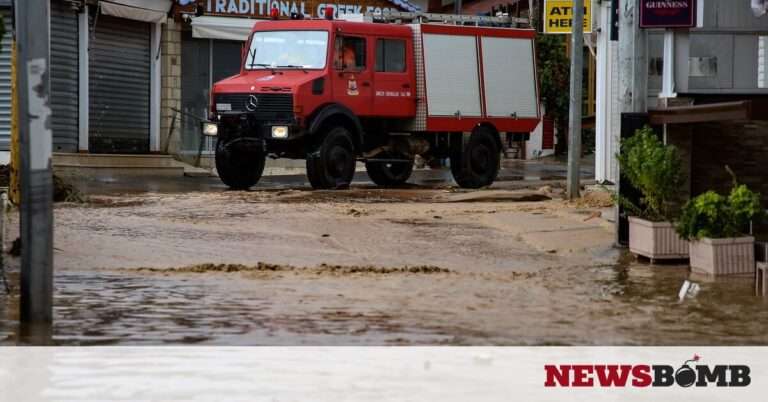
(239, 169)
(477, 164)
(331, 164)
(389, 173)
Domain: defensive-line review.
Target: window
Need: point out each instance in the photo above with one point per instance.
(350, 53)
(390, 55)
(287, 49)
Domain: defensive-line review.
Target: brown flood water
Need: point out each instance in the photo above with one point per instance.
(434, 271)
(624, 304)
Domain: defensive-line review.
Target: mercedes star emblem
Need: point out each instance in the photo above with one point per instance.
(252, 104)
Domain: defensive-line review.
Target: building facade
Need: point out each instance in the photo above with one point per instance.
(133, 76)
(104, 72)
(717, 66)
(5, 81)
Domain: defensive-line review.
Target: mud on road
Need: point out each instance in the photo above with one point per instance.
(369, 267)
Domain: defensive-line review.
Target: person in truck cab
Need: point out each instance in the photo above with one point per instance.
(348, 56)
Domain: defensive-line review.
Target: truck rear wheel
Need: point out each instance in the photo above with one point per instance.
(389, 173)
(239, 169)
(331, 164)
(477, 164)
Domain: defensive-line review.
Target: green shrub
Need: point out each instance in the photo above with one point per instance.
(656, 170)
(715, 216)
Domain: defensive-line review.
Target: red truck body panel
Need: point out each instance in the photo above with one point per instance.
(467, 123)
(376, 94)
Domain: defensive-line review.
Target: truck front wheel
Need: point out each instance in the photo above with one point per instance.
(389, 173)
(331, 163)
(477, 164)
(239, 169)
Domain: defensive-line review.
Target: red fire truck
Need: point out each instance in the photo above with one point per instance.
(335, 92)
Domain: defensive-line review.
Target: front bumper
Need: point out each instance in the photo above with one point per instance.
(238, 125)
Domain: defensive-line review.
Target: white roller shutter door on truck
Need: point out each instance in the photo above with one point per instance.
(450, 64)
(508, 77)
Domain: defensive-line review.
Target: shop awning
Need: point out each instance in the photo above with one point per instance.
(724, 111)
(154, 11)
(228, 28)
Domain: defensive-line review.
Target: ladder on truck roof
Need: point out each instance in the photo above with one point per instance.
(453, 19)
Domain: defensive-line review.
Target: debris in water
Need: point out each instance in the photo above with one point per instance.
(326, 235)
(65, 192)
(320, 269)
(594, 199)
(496, 196)
(689, 290)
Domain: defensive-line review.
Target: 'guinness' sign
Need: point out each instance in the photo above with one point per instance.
(667, 13)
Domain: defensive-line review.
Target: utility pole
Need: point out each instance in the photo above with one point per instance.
(574, 118)
(33, 83)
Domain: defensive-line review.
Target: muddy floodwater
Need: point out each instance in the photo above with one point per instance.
(369, 267)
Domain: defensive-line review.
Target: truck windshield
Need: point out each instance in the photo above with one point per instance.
(287, 49)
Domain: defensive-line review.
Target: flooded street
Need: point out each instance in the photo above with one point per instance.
(369, 267)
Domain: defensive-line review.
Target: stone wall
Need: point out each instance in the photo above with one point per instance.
(171, 87)
(741, 145)
(681, 137)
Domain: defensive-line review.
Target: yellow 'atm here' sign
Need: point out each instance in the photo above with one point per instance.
(558, 16)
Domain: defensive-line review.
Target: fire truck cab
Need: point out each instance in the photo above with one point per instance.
(336, 92)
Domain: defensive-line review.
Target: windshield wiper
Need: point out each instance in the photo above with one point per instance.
(264, 65)
(294, 66)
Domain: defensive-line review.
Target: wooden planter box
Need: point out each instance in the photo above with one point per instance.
(656, 240)
(732, 256)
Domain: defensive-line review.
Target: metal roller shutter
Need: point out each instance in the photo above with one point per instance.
(119, 86)
(64, 77)
(5, 83)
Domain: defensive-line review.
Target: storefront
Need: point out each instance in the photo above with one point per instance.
(211, 46)
(105, 75)
(65, 68)
(123, 76)
(5, 82)
(204, 60)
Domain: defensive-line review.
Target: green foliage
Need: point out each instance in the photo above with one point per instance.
(715, 216)
(554, 73)
(744, 206)
(656, 170)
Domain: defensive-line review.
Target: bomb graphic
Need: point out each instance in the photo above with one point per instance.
(685, 376)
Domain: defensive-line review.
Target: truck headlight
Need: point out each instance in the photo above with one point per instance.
(210, 129)
(279, 131)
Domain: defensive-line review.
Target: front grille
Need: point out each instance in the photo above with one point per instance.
(270, 106)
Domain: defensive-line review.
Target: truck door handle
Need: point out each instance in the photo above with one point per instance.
(366, 84)
(406, 86)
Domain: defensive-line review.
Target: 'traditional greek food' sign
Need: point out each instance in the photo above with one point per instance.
(667, 13)
(310, 8)
(558, 16)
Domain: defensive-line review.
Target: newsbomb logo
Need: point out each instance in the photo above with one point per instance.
(646, 375)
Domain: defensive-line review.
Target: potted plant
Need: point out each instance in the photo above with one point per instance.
(715, 225)
(656, 170)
